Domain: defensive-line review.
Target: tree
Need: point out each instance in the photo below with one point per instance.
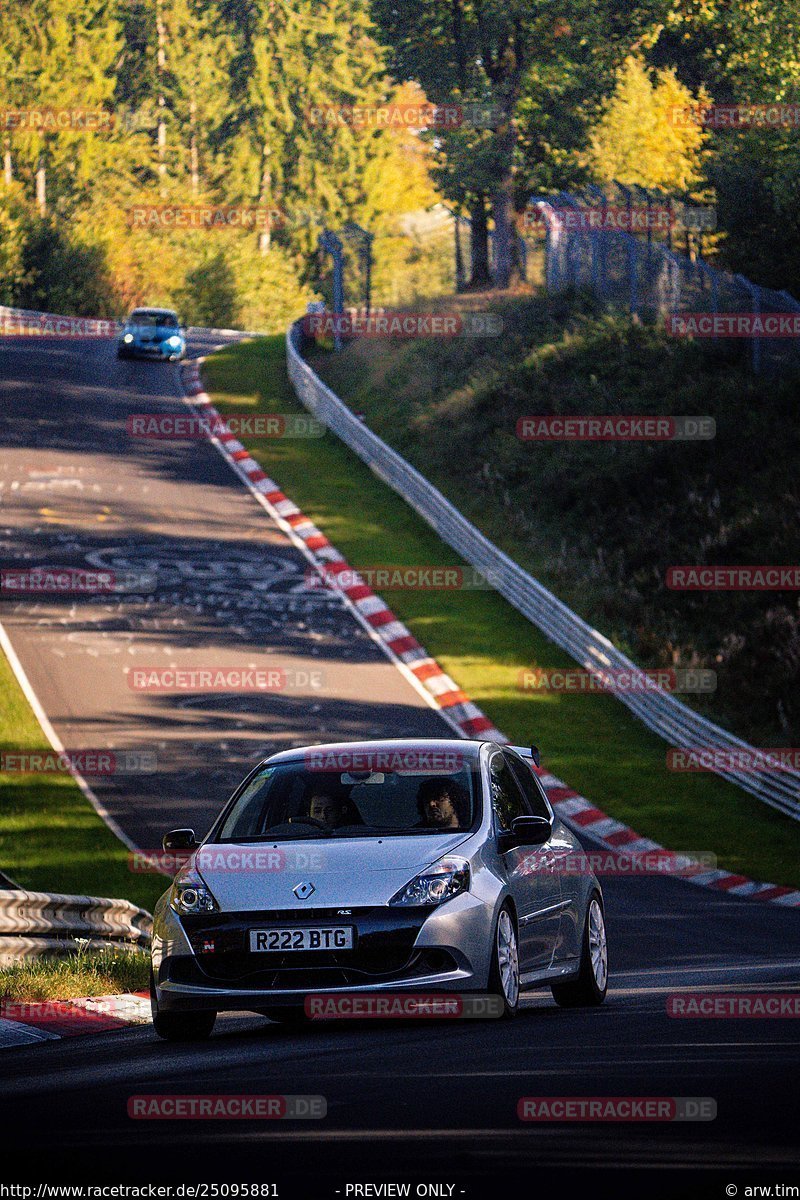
(640, 138)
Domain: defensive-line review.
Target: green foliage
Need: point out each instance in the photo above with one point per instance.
(209, 104)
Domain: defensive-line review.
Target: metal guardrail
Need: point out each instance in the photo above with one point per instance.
(37, 923)
(677, 724)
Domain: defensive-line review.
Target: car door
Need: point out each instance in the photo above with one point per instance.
(530, 870)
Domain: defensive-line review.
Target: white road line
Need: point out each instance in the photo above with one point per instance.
(14, 1033)
(55, 741)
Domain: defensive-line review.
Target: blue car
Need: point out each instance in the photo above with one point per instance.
(152, 333)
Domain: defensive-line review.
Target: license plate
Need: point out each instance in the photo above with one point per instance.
(309, 937)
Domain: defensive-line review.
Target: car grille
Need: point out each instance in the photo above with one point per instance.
(205, 973)
(383, 950)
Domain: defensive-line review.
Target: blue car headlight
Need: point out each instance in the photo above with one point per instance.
(128, 337)
(444, 879)
(174, 341)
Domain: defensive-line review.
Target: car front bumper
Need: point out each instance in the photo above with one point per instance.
(152, 350)
(204, 963)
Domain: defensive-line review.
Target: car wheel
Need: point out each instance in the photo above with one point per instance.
(591, 984)
(178, 1026)
(504, 974)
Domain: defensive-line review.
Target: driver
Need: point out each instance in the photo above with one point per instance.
(441, 803)
(327, 811)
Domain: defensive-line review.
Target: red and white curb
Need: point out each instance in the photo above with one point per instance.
(23, 1022)
(430, 680)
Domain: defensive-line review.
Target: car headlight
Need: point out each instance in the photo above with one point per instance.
(173, 341)
(190, 894)
(447, 878)
(128, 337)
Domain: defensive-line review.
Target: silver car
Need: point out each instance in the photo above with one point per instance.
(371, 868)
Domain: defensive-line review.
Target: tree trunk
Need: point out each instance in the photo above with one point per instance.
(504, 235)
(193, 153)
(460, 273)
(41, 188)
(479, 244)
(162, 103)
(265, 202)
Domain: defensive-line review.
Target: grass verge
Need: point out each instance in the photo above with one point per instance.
(51, 839)
(591, 741)
(87, 973)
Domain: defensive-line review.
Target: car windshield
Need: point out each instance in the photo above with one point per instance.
(291, 801)
(164, 320)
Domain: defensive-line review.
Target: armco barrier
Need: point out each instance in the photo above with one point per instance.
(36, 923)
(657, 709)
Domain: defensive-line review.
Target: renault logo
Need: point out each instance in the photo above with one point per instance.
(304, 890)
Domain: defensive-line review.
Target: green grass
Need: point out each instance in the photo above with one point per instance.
(86, 973)
(590, 741)
(51, 839)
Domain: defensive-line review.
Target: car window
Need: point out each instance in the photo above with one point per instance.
(154, 319)
(530, 788)
(508, 800)
(290, 800)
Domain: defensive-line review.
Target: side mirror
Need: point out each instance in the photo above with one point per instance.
(525, 831)
(531, 831)
(179, 839)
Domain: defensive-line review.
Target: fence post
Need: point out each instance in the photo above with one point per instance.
(332, 245)
(755, 310)
(600, 239)
(631, 244)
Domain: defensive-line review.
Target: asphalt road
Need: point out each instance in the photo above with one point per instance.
(221, 587)
(421, 1101)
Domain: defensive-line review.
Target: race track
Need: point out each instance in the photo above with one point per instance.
(428, 1100)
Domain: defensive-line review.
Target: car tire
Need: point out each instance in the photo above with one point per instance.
(591, 983)
(504, 972)
(180, 1026)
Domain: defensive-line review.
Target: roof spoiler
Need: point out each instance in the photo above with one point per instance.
(531, 752)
